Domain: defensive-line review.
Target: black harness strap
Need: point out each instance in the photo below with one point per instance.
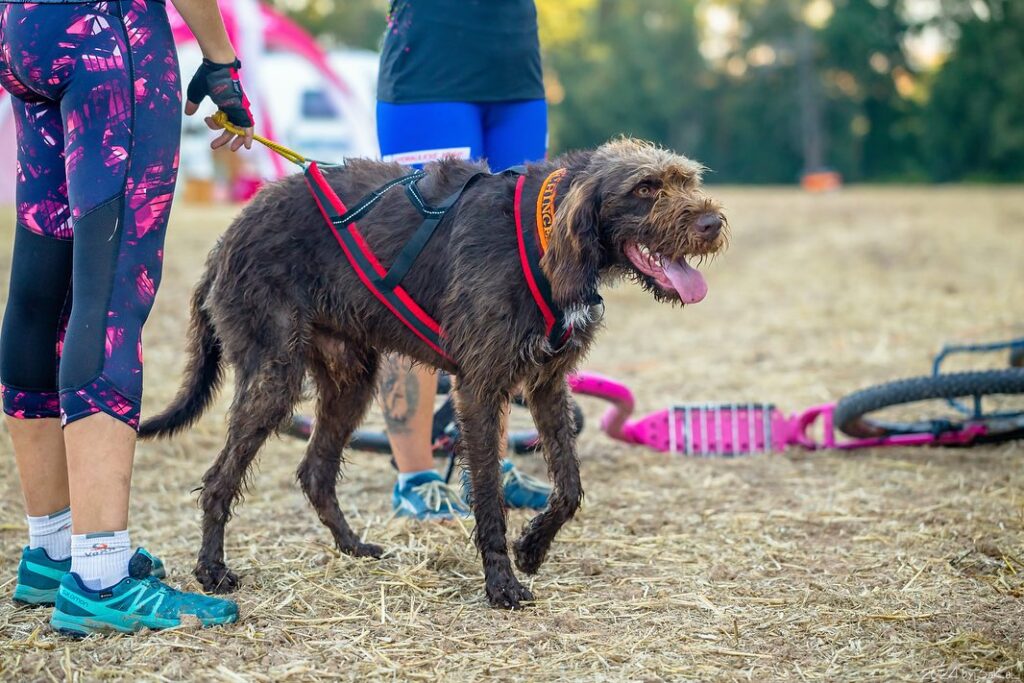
(364, 205)
(366, 265)
(432, 217)
(385, 284)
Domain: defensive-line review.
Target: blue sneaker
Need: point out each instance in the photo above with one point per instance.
(428, 496)
(39, 576)
(138, 601)
(521, 490)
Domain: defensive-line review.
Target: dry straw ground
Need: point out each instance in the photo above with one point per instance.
(883, 565)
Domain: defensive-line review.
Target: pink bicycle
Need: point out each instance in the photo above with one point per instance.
(943, 409)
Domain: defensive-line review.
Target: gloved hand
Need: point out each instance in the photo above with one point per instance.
(220, 82)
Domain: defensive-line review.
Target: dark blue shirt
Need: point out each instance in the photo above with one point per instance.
(460, 51)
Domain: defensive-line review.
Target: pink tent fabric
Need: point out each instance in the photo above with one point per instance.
(279, 32)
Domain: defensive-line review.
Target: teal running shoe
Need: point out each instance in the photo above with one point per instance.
(521, 490)
(39, 576)
(428, 496)
(156, 565)
(138, 601)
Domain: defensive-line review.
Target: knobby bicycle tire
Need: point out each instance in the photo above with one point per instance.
(851, 413)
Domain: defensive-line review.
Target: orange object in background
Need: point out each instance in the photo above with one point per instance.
(821, 181)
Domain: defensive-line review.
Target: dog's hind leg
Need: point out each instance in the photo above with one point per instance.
(550, 406)
(345, 380)
(262, 400)
(479, 411)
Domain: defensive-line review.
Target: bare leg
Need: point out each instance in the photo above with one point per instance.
(480, 418)
(407, 401)
(345, 381)
(552, 413)
(100, 451)
(42, 465)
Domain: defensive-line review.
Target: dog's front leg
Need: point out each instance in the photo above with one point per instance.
(549, 403)
(480, 412)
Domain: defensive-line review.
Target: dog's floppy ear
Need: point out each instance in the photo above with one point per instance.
(574, 248)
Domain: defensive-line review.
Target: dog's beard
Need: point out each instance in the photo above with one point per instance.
(647, 283)
(667, 262)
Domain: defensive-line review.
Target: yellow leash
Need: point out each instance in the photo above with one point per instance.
(290, 154)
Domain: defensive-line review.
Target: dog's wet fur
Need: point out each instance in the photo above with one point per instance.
(279, 300)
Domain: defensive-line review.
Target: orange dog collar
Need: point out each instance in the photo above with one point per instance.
(546, 206)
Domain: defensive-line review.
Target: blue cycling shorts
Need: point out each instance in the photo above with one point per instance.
(504, 133)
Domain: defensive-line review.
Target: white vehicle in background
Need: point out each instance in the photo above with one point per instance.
(311, 117)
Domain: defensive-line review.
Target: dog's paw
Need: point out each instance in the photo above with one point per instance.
(216, 578)
(507, 593)
(529, 557)
(364, 550)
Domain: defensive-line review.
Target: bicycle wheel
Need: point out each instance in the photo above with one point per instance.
(520, 441)
(909, 406)
(301, 427)
(527, 441)
(444, 431)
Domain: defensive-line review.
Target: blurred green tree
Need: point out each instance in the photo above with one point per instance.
(874, 114)
(792, 85)
(975, 116)
(355, 23)
(632, 69)
(762, 91)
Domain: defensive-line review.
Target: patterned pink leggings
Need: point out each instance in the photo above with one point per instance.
(97, 100)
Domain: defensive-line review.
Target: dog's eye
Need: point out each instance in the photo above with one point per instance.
(643, 191)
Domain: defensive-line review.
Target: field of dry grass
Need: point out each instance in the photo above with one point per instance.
(901, 564)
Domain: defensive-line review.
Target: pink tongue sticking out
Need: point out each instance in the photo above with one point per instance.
(686, 280)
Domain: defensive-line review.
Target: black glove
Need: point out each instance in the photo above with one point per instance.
(220, 82)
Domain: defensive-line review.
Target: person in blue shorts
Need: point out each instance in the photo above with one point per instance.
(457, 79)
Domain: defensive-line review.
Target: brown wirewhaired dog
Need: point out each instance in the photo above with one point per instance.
(279, 300)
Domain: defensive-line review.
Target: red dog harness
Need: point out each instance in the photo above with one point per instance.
(385, 284)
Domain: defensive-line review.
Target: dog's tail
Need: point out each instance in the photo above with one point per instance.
(203, 372)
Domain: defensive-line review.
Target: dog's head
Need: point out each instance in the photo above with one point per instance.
(636, 209)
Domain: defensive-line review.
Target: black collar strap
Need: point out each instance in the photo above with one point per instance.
(532, 242)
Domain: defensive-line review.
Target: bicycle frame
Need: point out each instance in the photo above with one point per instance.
(976, 411)
(730, 429)
(706, 429)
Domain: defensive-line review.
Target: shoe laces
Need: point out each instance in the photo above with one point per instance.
(524, 481)
(437, 493)
(157, 584)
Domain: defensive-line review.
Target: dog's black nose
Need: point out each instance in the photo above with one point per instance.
(709, 225)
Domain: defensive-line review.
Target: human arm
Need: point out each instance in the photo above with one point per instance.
(217, 77)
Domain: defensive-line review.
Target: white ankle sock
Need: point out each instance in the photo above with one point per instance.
(52, 533)
(404, 477)
(101, 559)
